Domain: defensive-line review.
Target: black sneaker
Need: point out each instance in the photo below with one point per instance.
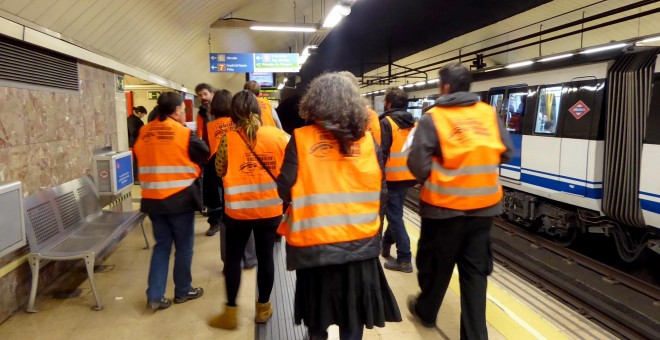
(214, 228)
(192, 295)
(162, 303)
(385, 250)
(412, 308)
(405, 267)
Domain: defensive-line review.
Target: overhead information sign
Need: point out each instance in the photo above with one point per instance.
(254, 62)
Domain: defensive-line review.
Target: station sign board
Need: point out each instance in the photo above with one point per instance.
(253, 62)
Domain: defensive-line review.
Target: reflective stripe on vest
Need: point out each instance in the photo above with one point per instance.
(163, 158)
(396, 168)
(466, 176)
(249, 191)
(336, 198)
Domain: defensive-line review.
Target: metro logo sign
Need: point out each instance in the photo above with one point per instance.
(579, 109)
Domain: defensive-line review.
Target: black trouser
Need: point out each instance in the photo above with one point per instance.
(211, 193)
(464, 241)
(238, 233)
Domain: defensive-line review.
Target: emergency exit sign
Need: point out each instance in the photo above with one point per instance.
(153, 95)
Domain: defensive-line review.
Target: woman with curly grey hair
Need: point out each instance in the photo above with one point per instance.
(333, 177)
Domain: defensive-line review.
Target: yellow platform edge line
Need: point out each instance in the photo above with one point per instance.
(511, 318)
(11, 266)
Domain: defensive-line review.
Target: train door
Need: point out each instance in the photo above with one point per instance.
(544, 145)
(578, 110)
(512, 112)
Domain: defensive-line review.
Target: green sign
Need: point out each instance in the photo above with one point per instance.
(153, 95)
(119, 80)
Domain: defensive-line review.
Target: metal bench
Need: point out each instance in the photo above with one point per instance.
(66, 223)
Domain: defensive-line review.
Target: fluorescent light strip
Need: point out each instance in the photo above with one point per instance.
(280, 86)
(556, 57)
(520, 64)
(433, 81)
(494, 69)
(283, 28)
(420, 83)
(604, 48)
(334, 17)
(409, 85)
(648, 40)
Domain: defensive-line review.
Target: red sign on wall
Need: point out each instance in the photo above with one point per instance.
(579, 109)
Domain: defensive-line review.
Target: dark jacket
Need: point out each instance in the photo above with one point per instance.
(335, 253)
(426, 144)
(403, 120)
(134, 124)
(187, 200)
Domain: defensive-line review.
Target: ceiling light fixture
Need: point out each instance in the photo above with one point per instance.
(280, 86)
(562, 56)
(420, 83)
(648, 40)
(604, 48)
(433, 81)
(283, 28)
(520, 64)
(408, 85)
(336, 14)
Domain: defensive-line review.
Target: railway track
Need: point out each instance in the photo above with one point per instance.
(617, 301)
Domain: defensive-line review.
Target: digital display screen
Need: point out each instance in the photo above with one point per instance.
(264, 79)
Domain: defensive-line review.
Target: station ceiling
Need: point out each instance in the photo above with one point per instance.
(173, 39)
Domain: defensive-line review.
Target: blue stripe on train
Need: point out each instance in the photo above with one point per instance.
(553, 184)
(650, 206)
(560, 176)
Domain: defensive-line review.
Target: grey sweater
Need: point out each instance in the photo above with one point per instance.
(426, 144)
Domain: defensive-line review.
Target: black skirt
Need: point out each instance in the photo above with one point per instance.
(350, 295)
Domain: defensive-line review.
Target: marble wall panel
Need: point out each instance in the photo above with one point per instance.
(13, 122)
(14, 163)
(87, 108)
(75, 116)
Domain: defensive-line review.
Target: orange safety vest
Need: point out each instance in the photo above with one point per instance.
(200, 126)
(336, 198)
(266, 112)
(466, 177)
(396, 168)
(374, 124)
(164, 163)
(215, 130)
(250, 192)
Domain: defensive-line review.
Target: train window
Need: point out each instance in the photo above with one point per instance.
(547, 110)
(496, 101)
(515, 105)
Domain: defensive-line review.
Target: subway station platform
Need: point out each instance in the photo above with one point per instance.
(515, 309)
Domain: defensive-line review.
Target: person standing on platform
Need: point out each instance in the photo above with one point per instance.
(395, 126)
(268, 115)
(135, 123)
(456, 152)
(333, 177)
(249, 159)
(209, 183)
(217, 128)
(168, 156)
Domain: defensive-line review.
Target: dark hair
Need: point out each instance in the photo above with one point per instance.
(140, 109)
(221, 103)
(253, 87)
(334, 102)
(548, 125)
(456, 76)
(167, 104)
(245, 113)
(397, 98)
(203, 86)
(153, 114)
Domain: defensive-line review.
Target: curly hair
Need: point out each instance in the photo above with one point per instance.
(245, 113)
(333, 102)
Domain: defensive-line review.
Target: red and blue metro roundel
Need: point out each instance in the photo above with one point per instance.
(579, 109)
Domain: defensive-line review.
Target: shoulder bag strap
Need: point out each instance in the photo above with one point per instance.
(257, 157)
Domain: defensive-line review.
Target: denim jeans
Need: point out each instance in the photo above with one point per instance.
(396, 230)
(177, 229)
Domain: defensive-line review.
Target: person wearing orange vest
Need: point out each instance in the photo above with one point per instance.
(217, 128)
(249, 159)
(395, 126)
(210, 194)
(333, 177)
(268, 116)
(456, 152)
(373, 125)
(169, 155)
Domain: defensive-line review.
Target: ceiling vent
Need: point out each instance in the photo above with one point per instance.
(24, 63)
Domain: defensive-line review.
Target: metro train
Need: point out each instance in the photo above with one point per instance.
(587, 136)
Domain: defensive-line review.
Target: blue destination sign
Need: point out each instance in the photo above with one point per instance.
(253, 62)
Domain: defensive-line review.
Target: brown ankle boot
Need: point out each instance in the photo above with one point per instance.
(226, 320)
(263, 312)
